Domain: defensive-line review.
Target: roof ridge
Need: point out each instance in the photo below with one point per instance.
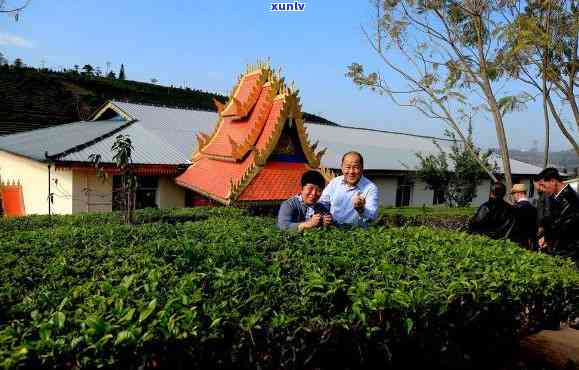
(82, 146)
(149, 105)
(386, 131)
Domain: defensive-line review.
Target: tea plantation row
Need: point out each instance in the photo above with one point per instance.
(215, 288)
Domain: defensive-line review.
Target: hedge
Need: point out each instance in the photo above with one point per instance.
(444, 217)
(229, 291)
(142, 216)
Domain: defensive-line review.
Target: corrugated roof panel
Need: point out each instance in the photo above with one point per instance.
(177, 127)
(167, 135)
(148, 149)
(55, 139)
(384, 150)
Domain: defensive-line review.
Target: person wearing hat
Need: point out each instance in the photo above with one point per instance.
(303, 211)
(525, 232)
(561, 221)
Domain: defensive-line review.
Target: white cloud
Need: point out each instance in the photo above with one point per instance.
(13, 40)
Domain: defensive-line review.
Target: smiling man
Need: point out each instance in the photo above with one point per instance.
(352, 198)
(302, 212)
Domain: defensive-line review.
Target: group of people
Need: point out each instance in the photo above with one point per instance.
(550, 223)
(350, 200)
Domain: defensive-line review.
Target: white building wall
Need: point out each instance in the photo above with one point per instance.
(169, 194)
(421, 195)
(91, 193)
(387, 190)
(33, 175)
(482, 193)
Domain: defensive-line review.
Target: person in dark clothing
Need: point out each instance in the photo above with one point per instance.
(539, 202)
(525, 231)
(494, 218)
(302, 211)
(561, 219)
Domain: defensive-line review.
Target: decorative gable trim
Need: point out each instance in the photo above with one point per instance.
(247, 132)
(112, 106)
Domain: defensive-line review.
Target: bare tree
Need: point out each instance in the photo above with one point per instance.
(13, 9)
(446, 54)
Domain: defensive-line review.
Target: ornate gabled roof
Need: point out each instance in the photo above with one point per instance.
(241, 160)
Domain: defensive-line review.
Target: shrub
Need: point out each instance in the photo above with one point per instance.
(228, 291)
(142, 216)
(446, 218)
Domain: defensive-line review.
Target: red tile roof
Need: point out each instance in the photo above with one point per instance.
(277, 181)
(232, 164)
(243, 132)
(245, 95)
(213, 177)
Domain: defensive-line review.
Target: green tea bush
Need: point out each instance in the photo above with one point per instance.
(230, 291)
(148, 215)
(443, 217)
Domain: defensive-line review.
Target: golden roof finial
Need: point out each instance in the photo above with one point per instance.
(219, 105)
(202, 139)
(321, 153)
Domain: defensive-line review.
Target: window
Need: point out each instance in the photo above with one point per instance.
(147, 192)
(146, 195)
(438, 197)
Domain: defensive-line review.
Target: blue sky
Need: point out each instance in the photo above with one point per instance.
(206, 44)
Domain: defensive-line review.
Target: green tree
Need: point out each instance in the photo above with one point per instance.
(18, 63)
(445, 52)
(541, 50)
(122, 156)
(111, 75)
(122, 150)
(122, 75)
(454, 172)
(3, 59)
(87, 70)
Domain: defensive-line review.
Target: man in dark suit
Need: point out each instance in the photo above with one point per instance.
(494, 218)
(561, 222)
(525, 232)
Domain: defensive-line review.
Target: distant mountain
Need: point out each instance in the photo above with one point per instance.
(31, 98)
(566, 159)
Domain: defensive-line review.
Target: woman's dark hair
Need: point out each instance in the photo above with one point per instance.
(313, 177)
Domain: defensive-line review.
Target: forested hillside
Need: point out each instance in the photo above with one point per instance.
(32, 98)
